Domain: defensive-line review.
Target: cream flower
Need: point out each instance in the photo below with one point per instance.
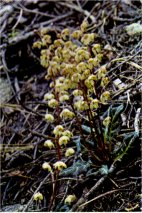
(85, 74)
(46, 40)
(63, 140)
(64, 98)
(105, 96)
(104, 81)
(58, 42)
(58, 130)
(37, 44)
(81, 105)
(81, 66)
(101, 72)
(49, 118)
(67, 133)
(77, 34)
(89, 83)
(67, 114)
(49, 144)
(94, 104)
(92, 62)
(52, 103)
(70, 199)
(77, 92)
(107, 121)
(46, 166)
(60, 165)
(48, 96)
(38, 196)
(76, 77)
(88, 38)
(96, 48)
(65, 33)
(69, 152)
(84, 26)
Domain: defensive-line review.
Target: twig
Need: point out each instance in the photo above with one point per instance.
(36, 12)
(26, 35)
(124, 61)
(77, 8)
(136, 122)
(126, 88)
(102, 195)
(17, 22)
(6, 70)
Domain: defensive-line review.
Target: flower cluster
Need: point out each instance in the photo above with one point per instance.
(78, 85)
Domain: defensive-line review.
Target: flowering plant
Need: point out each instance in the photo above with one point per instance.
(77, 90)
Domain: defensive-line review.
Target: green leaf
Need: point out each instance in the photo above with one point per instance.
(64, 208)
(87, 129)
(76, 169)
(118, 111)
(77, 141)
(104, 170)
(128, 141)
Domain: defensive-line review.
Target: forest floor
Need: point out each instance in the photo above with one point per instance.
(23, 128)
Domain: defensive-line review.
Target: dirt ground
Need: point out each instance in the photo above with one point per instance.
(23, 128)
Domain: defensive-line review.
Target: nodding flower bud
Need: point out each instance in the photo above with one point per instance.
(58, 130)
(43, 31)
(81, 105)
(46, 40)
(101, 72)
(58, 43)
(81, 67)
(104, 81)
(84, 26)
(37, 44)
(63, 140)
(69, 152)
(92, 62)
(107, 121)
(67, 114)
(53, 103)
(77, 34)
(76, 77)
(67, 133)
(38, 196)
(99, 57)
(85, 74)
(68, 44)
(105, 96)
(46, 166)
(77, 92)
(49, 144)
(94, 104)
(92, 78)
(70, 199)
(49, 118)
(88, 38)
(96, 49)
(48, 96)
(63, 98)
(59, 165)
(65, 33)
(89, 83)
